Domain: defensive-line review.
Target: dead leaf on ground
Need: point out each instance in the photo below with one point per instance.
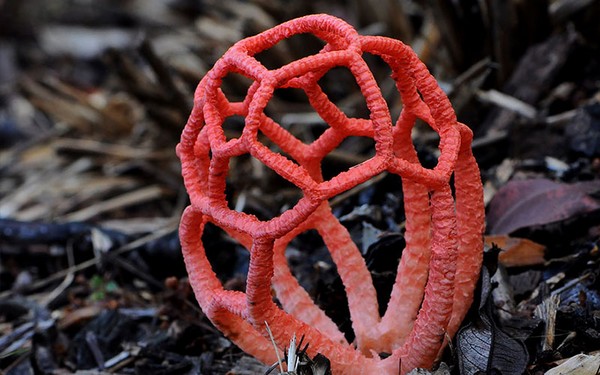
(483, 346)
(527, 203)
(580, 364)
(517, 252)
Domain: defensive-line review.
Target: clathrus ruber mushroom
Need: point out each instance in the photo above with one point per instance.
(444, 225)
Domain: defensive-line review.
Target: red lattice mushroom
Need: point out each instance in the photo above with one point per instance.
(441, 261)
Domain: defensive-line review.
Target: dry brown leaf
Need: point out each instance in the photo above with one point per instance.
(527, 203)
(517, 252)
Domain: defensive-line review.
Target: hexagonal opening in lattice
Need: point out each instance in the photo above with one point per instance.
(427, 143)
(350, 152)
(233, 126)
(291, 109)
(339, 84)
(255, 189)
(383, 75)
(290, 49)
(235, 86)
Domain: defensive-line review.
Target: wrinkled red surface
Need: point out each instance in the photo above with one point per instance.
(527, 203)
(441, 262)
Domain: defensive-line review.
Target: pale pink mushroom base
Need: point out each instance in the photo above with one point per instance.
(441, 262)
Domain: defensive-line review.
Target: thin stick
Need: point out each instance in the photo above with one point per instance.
(139, 196)
(275, 347)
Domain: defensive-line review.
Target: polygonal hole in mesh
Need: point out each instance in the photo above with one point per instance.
(233, 126)
(228, 258)
(290, 49)
(351, 152)
(255, 189)
(291, 109)
(275, 148)
(426, 141)
(341, 88)
(383, 75)
(384, 193)
(235, 86)
(311, 264)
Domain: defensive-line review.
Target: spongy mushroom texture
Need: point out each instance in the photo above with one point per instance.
(440, 264)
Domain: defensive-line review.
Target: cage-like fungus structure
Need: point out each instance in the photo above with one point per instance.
(440, 264)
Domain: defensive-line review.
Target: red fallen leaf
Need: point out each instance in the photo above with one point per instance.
(527, 203)
(517, 252)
